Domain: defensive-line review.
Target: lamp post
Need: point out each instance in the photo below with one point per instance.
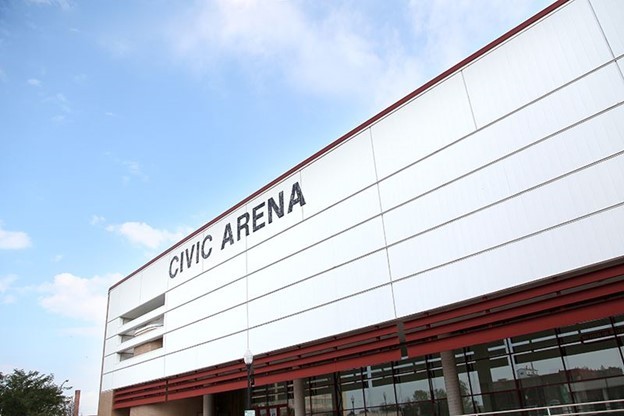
(248, 359)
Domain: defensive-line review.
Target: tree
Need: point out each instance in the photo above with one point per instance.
(32, 394)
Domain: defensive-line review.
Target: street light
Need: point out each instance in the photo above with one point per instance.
(248, 359)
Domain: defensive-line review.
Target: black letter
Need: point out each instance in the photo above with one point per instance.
(241, 225)
(172, 275)
(207, 238)
(227, 236)
(298, 199)
(279, 210)
(255, 217)
(197, 254)
(189, 259)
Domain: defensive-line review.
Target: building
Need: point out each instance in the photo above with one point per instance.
(460, 252)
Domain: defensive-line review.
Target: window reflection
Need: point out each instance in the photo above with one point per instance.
(579, 363)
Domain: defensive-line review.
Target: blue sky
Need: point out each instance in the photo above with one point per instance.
(125, 125)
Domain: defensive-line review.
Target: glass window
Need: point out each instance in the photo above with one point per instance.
(320, 394)
(497, 401)
(442, 407)
(593, 359)
(352, 391)
(378, 386)
(492, 375)
(556, 367)
(434, 363)
(545, 395)
(420, 408)
(537, 359)
(492, 349)
(387, 410)
(412, 381)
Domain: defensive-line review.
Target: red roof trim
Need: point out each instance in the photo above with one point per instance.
(557, 4)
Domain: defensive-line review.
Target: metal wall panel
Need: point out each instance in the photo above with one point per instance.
(107, 382)
(148, 356)
(584, 144)
(344, 247)
(335, 176)
(222, 350)
(208, 281)
(566, 199)
(217, 326)
(112, 327)
(154, 280)
(338, 218)
(553, 52)
(110, 362)
(429, 122)
(218, 351)
(590, 240)
(207, 305)
(587, 96)
(277, 225)
(354, 312)
(360, 275)
(110, 348)
(148, 370)
(610, 14)
(125, 297)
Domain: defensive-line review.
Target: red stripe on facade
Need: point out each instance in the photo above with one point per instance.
(550, 321)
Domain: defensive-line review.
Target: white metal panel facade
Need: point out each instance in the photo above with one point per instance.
(508, 171)
(611, 15)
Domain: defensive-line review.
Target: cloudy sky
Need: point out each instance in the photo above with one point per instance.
(125, 125)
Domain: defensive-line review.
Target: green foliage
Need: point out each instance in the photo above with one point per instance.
(31, 394)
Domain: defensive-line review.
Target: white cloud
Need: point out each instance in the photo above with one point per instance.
(134, 168)
(336, 53)
(13, 240)
(97, 219)
(57, 258)
(78, 298)
(62, 105)
(6, 283)
(117, 47)
(145, 235)
(34, 82)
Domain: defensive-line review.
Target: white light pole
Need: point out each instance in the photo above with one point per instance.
(248, 359)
